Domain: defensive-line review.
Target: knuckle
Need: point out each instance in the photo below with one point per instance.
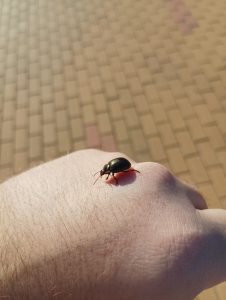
(163, 176)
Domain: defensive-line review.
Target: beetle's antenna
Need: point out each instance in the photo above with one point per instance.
(96, 180)
(96, 173)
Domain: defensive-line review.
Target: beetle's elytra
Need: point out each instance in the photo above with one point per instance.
(116, 165)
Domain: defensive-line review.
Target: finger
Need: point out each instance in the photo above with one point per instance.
(214, 221)
(196, 198)
(215, 218)
(193, 195)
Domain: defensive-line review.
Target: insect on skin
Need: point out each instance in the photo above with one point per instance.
(115, 165)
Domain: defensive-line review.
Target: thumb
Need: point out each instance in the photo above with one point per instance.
(215, 218)
(214, 256)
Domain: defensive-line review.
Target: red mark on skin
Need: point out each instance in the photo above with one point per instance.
(182, 15)
(92, 136)
(108, 143)
(123, 177)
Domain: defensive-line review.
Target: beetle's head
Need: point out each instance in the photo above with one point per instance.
(104, 170)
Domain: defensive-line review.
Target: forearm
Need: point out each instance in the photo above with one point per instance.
(42, 249)
(53, 245)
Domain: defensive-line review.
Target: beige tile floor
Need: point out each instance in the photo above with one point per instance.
(147, 78)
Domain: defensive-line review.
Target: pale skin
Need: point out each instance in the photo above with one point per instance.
(150, 237)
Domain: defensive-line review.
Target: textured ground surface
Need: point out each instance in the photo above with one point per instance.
(147, 78)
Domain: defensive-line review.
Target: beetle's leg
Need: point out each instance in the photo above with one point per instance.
(116, 180)
(107, 176)
(131, 170)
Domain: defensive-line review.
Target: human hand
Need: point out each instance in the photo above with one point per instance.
(150, 237)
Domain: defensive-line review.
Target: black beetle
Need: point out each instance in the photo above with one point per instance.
(116, 165)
